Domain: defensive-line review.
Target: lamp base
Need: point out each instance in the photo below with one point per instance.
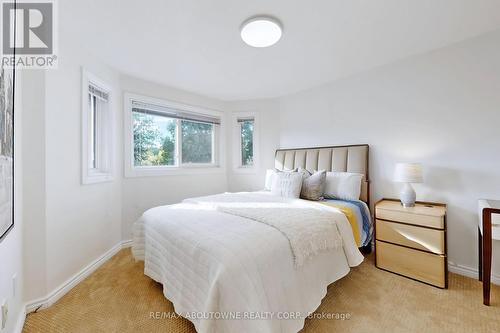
(408, 196)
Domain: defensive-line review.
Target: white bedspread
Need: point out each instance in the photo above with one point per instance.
(215, 265)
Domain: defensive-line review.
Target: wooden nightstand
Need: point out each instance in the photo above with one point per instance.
(412, 241)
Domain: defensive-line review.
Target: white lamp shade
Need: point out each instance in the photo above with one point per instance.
(408, 173)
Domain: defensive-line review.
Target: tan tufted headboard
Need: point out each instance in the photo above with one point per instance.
(352, 158)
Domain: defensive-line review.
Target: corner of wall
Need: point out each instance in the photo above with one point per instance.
(33, 187)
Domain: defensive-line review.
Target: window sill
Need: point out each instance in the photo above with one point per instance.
(245, 170)
(172, 171)
(96, 178)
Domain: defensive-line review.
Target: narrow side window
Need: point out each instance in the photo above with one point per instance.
(96, 130)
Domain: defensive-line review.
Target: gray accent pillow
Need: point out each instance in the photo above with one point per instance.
(313, 186)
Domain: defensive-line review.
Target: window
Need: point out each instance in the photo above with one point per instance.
(96, 130)
(246, 141)
(167, 137)
(197, 142)
(154, 139)
(245, 138)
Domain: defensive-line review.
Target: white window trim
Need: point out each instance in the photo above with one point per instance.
(131, 170)
(236, 134)
(106, 171)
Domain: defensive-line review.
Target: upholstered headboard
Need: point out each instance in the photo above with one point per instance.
(352, 158)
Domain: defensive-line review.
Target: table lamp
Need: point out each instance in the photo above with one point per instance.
(408, 173)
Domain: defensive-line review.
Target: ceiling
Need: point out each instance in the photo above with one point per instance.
(195, 44)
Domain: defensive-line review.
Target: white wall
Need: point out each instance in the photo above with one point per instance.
(68, 224)
(11, 247)
(441, 109)
(142, 193)
(33, 193)
(83, 221)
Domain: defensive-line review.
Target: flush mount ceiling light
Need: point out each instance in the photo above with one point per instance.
(261, 31)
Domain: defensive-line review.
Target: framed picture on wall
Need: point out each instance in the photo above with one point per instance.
(7, 84)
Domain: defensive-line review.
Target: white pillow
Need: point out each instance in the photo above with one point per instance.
(287, 184)
(270, 174)
(305, 174)
(343, 185)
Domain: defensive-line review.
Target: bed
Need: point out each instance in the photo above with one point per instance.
(348, 158)
(226, 272)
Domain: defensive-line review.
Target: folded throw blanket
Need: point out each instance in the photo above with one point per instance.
(308, 230)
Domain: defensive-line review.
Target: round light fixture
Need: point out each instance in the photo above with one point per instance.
(261, 31)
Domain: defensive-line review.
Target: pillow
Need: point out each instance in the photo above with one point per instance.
(343, 185)
(270, 174)
(313, 186)
(303, 172)
(287, 184)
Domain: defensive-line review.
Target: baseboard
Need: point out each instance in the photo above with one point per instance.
(20, 322)
(59, 292)
(127, 243)
(470, 272)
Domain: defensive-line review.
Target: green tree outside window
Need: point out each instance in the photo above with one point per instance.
(247, 142)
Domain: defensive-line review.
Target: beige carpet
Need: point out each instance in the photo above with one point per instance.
(119, 298)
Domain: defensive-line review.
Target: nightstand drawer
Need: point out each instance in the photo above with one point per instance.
(422, 266)
(416, 237)
(410, 216)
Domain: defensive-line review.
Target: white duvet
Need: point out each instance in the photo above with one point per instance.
(227, 273)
